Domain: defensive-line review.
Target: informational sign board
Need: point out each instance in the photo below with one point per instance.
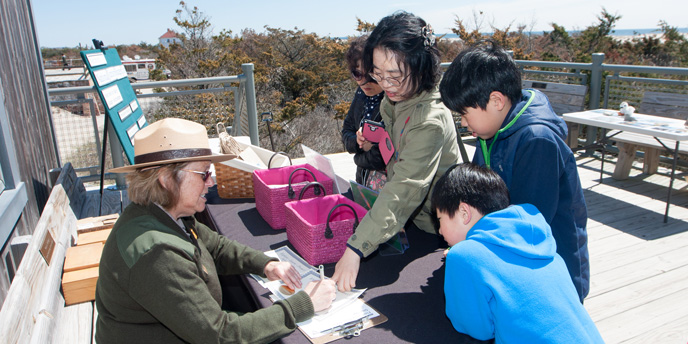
(118, 97)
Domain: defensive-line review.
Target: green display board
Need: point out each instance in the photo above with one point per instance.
(118, 97)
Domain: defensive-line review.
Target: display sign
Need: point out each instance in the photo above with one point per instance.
(117, 95)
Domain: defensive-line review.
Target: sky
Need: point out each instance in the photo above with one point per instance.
(69, 23)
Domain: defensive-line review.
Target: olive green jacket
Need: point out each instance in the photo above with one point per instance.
(157, 284)
(423, 133)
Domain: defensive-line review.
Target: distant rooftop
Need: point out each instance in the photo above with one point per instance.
(169, 34)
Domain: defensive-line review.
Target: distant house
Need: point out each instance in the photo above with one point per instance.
(170, 37)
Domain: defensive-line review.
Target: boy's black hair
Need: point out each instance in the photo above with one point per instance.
(477, 186)
(413, 41)
(475, 73)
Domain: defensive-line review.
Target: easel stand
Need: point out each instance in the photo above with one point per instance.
(119, 100)
(102, 165)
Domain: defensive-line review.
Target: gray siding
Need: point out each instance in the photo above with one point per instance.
(24, 90)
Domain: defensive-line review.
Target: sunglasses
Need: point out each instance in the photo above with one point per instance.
(204, 175)
(358, 76)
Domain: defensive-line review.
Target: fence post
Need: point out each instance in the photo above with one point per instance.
(251, 111)
(595, 90)
(596, 80)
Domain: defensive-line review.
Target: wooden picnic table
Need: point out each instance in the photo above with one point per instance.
(652, 126)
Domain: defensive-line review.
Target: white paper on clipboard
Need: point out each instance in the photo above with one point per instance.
(324, 165)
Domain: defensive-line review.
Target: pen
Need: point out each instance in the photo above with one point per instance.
(322, 272)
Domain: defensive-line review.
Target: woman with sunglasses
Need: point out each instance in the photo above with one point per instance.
(370, 168)
(402, 56)
(158, 276)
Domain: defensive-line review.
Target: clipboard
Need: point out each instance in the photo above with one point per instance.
(324, 330)
(350, 329)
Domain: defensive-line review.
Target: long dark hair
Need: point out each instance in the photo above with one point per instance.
(413, 42)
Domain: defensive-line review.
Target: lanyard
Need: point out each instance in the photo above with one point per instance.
(483, 145)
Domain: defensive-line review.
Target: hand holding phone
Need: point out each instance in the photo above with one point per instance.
(373, 131)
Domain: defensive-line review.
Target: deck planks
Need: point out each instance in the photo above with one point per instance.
(639, 264)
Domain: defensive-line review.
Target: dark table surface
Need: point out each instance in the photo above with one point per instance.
(407, 288)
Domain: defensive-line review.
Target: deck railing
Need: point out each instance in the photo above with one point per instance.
(601, 79)
(78, 129)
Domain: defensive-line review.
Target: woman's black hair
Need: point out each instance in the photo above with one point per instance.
(413, 42)
(354, 54)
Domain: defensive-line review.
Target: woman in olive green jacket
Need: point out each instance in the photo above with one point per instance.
(158, 276)
(401, 55)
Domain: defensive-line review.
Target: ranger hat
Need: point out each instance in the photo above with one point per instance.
(171, 140)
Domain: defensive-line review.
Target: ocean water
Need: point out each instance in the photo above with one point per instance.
(616, 32)
(631, 32)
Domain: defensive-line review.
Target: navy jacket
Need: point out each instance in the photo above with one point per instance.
(539, 168)
(365, 161)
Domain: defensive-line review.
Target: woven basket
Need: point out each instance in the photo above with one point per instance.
(271, 188)
(233, 182)
(307, 226)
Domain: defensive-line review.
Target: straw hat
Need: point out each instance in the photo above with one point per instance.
(169, 141)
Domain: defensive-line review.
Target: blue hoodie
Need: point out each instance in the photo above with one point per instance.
(506, 281)
(539, 168)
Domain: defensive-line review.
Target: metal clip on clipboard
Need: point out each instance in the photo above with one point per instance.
(351, 328)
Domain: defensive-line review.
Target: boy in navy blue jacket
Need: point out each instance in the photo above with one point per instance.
(523, 140)
(503, 276)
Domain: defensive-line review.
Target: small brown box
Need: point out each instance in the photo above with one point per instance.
(93, 237)
(90, 224)
(80, 285)
(83, 256)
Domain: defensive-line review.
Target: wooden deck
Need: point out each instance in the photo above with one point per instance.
(639, 265)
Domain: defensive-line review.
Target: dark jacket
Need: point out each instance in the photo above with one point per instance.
(539, 168)
(370, 160)
(157, 284)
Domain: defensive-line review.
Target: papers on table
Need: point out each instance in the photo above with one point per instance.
(347, 310)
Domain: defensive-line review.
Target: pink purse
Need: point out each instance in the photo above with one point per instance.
(276, 186)
(318, 228)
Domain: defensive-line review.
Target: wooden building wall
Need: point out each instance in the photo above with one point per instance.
(26, 105)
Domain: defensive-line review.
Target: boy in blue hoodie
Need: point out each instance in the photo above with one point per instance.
(523, 140)
(503, 276)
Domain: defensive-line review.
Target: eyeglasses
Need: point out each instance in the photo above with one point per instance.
(394, 81)
(204, 175)
(358, 76)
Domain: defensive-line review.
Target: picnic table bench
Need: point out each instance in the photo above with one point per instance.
(564, 98)
(662, 105)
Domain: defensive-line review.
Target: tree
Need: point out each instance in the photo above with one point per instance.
(596, 38)
(198, 55)
(364, 26)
